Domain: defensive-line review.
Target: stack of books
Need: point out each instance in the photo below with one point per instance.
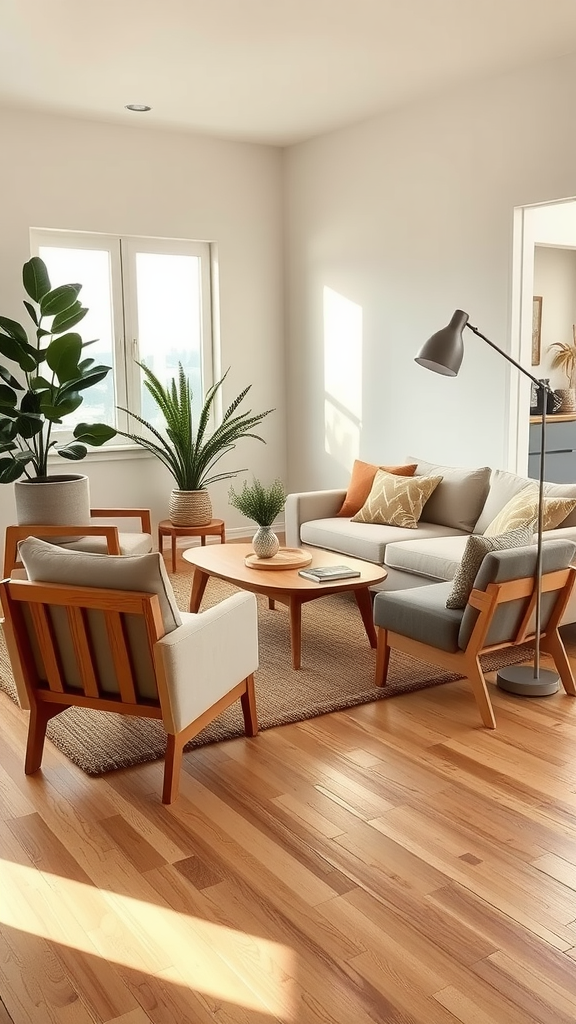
(328, 573)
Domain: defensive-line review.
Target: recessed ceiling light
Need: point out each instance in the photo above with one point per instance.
(140, 107)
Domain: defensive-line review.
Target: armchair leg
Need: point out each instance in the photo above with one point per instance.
(475, 675)
(40, 715)
(382, 657)
(248, 701)
(172, 768)
(552, 644)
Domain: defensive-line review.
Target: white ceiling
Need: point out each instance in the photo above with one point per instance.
(271, 71)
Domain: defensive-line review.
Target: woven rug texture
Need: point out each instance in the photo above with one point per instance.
(337, 673)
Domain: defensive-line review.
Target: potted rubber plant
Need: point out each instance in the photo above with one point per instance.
(43, 378)
(261, 504)
(191, 452)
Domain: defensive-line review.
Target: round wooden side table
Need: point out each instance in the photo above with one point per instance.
(215, 528)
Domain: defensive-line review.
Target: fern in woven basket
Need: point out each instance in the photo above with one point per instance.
(257, 502)
(191, 452)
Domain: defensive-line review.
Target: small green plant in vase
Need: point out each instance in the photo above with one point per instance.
(261, 504)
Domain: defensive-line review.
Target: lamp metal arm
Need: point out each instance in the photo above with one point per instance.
(539, 383)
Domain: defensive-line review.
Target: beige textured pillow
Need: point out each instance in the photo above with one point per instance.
(522, 510)
(477, 546)
(396, 500)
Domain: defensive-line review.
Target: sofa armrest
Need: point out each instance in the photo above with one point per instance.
(206, 657)
(307, 505)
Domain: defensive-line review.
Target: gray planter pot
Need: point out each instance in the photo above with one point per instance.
(51, 500)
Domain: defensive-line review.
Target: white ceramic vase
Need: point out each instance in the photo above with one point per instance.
(265, 542)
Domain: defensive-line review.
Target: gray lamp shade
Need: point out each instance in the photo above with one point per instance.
(443, 352)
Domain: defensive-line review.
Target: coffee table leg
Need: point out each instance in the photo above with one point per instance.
(199, 581)
(296, 631)
(173, 552)
(364, 602)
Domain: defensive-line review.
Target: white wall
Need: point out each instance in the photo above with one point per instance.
(409, 216)
(81, 175)
(555, 281)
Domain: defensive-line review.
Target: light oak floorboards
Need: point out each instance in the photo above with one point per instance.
(395, 864)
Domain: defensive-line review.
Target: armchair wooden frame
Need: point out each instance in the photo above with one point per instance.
(467, 662)
(14, 534)
(50, 696)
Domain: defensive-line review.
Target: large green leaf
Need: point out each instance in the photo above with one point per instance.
(8, 397)
(59, 299)
(28, 425)
(69, 318)
(10, 470)
(14, 329)
(15, 351)
(31, 312)
(62, 406)
(8, 446)
(7, 376)
(63, 355)
(31, 402)
(8, 429)
(94, 433)
(87, 380)
(35, 278)
(73, 451)
(40, 384)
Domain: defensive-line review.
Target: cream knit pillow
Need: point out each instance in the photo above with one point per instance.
(396, 500)
(522, 510)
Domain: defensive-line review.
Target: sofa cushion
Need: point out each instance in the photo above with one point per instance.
(458, 500)
(361, 481)
(476, 548)
(434, 557)
(562, 491)
(522, 510)
(363, 540)
(420, 614)
(396, 500)
(503, 486)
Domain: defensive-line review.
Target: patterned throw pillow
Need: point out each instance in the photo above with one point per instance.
(522, 509)
(396, 500)
(477, 546)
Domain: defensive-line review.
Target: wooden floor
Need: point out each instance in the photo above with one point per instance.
(396, 863)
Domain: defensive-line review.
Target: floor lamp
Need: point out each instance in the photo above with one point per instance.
(443, 353)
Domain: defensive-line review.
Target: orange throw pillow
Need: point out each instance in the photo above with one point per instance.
(361, 481)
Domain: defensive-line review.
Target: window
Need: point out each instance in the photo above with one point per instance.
(149, 301)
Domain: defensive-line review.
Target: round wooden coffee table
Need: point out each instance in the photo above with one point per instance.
(226, 562)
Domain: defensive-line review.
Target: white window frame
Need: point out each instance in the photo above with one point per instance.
(122, 250)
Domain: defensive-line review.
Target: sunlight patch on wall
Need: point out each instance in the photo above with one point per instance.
(342, 377)
(152, 939)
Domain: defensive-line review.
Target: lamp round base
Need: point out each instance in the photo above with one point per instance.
(520, 680)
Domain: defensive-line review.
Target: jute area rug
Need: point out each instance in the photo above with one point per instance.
(337, 673)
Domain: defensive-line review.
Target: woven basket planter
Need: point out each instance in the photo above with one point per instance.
(190, 508)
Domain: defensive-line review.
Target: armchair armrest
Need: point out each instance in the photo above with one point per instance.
(143, 514)
(306, 505)
(14, 534)
(206, 657)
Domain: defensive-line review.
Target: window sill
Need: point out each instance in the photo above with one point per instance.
(108, 453)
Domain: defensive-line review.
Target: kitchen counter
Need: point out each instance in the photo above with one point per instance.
(557, 417)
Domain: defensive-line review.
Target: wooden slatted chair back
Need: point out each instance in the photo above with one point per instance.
(83, 646)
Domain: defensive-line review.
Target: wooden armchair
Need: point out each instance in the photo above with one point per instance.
(124, 647)
(499, 614)
(100, 538)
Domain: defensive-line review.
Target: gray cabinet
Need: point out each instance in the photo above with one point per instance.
(560, 465)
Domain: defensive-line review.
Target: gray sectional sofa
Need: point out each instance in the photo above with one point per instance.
(465, 502)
